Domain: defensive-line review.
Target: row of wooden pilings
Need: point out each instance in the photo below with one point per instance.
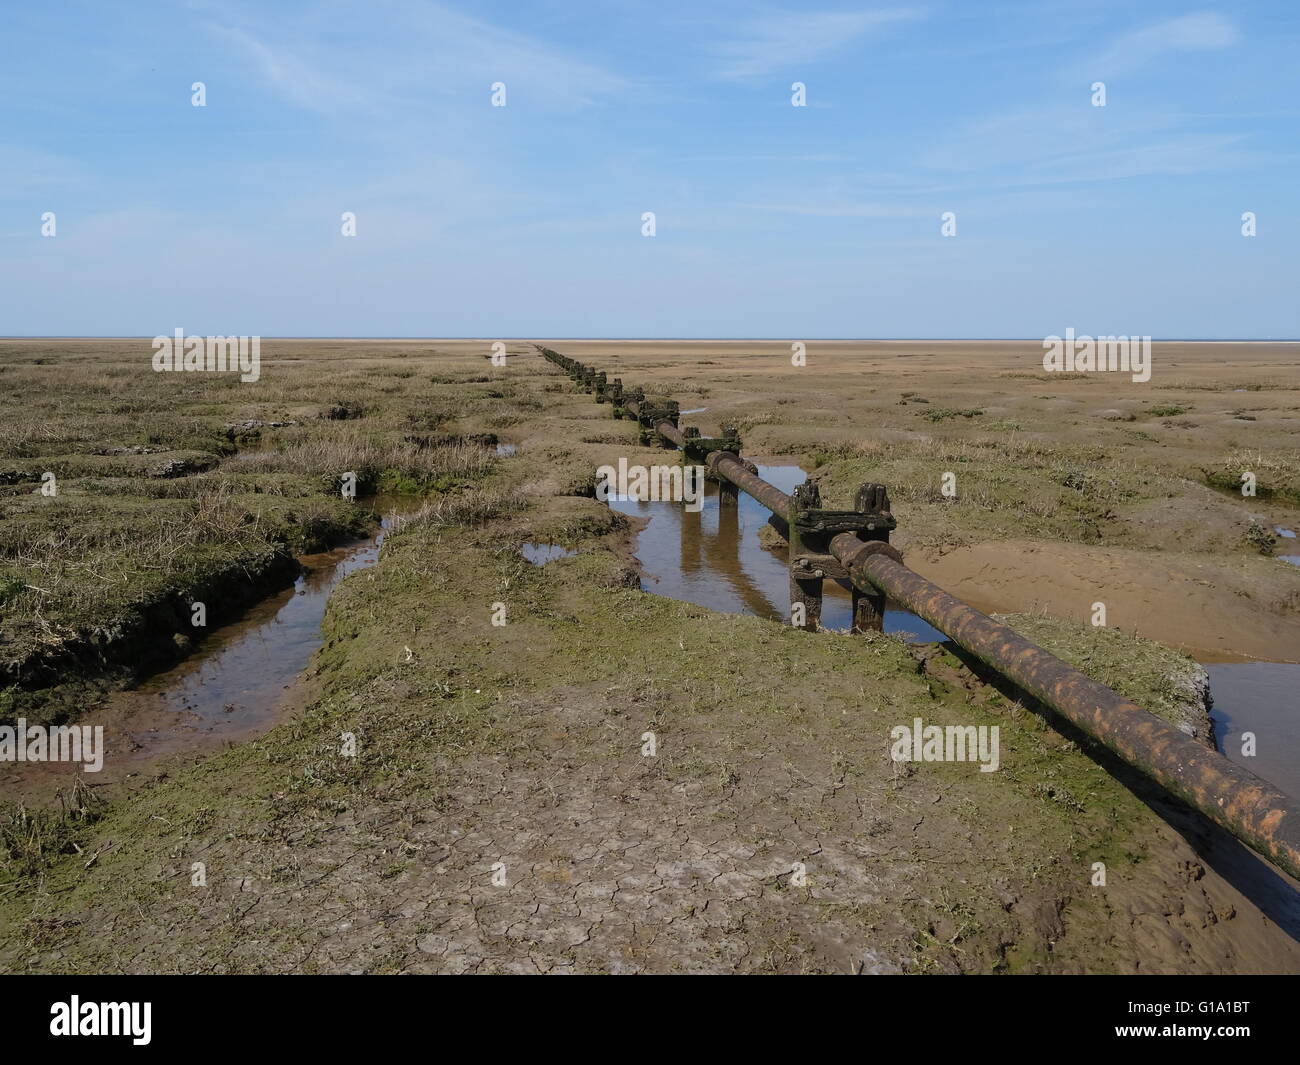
(854, 546)
(810, 528)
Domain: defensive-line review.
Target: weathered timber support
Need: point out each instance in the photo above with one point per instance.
(698, 448)
(690, 438)
(810, 530)
(728, 493)
(869, 605)
(728, 515)
(657, 417)
(805, 579)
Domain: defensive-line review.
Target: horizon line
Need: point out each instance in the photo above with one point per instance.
(675, 339)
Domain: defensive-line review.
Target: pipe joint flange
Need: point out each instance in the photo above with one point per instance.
(878, 547)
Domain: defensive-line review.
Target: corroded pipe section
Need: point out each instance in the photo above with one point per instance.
(670, 432)
(727, 465)
(724, 463)
(1250, 808)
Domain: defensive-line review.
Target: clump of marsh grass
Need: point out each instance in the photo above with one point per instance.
(469, 509)
(369, 456)
(31, 839)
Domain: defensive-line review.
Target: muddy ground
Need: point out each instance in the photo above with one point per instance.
(451, 795)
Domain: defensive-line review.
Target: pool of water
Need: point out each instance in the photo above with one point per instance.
(540, 554)
(1262, 698)
(713, 558)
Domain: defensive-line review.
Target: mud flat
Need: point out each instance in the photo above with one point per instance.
(520, 747)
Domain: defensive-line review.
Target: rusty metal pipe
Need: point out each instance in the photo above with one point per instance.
(670, 432)
(727, 465)
(1251, 809)
(666, 429)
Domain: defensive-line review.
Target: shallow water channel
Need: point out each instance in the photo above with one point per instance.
(233, 686)
(1262, 698)
(236, 678)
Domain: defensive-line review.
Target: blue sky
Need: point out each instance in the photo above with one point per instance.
(771, 220)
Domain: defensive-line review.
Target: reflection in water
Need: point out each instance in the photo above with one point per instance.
(1260, 697)
(713, 558)
(540, 554)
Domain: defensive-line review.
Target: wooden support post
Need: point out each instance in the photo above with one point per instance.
(805, 588)
(692, 435)
(868, 611)
(728, 493)
(869, 608)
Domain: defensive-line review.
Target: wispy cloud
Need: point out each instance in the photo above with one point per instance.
(296, 78)
(408, 54)
(840, 209)
(1202, 32)
(783, 41)
(1051, 146)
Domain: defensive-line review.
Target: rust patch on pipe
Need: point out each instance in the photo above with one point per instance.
(1250, 808)
(730, 466)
